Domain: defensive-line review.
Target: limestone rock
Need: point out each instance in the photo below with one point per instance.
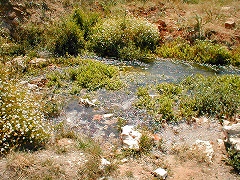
(104, 163)
(205, 147)
(160, 173)
(235, 143)
(230, 24)
(232, 134)
(220, 144)
(38, 61)
(19, 62)
(107, 115)
(130, 137)
(87, 102)
(232, 131)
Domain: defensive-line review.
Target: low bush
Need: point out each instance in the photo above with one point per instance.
(21, 119)
(234, 159)
(126, 38)
(213, 95)
(91, 75)
(200, 52)
(85, 21)
(159, 106)
(195, 96)
(66, 39)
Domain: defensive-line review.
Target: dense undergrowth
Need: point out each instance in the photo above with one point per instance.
(217, 96)
(202, 51)
(21, 117)
(89, 74)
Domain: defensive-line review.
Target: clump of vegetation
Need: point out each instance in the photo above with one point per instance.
(67, 39)
(90, 74)
(234, 159)
(21, 120)
(146, 143)
(126, 38)
(194, 96)
(213, 95)
(200, 52)
(161, 105)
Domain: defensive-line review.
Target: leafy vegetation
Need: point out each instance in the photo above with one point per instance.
(200, 52)
(21, 119)
(234, 159)
(126, 38)
(90, 75)
(195, 96)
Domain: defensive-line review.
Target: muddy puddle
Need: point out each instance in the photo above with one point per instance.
(101, 119)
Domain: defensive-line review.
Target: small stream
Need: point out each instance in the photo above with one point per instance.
(100, 121)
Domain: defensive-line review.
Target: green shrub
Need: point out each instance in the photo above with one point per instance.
(21, 119)
(85, 21)
(195, 96)
(160, 106)
(90, 74)
(234, 159)
(214, 95)
(125, 38)
(200, 52)
(66, 39)
(146, 143)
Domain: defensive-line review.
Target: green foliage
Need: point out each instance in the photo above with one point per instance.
(234, 159)
(90, 74)
(30, 35)
(21, 119)
(160, 105)
(195, 96)
(90, 146)
(85, 21)
(214, 95)
(200, 52)
(66, 39)
(120, 123)
(125, 38)
(146, 143)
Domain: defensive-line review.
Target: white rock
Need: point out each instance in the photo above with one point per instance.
(235, 142)
(124, 160)
(160, 173)
(19, 62)
(220, 143)
(107, 115)
(226, 123)
(205, 147)
(87, 102)
(104, 163)
(130, 138)
(38, 61)
(232, 131)
(232, 134)
(32, 86)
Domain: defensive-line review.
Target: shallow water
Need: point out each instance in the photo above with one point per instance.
(119, 103)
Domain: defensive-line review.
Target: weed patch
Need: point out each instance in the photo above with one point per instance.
(195, 96)
(90, 75)
(127, 38)
(201, 52)
(21, 119)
